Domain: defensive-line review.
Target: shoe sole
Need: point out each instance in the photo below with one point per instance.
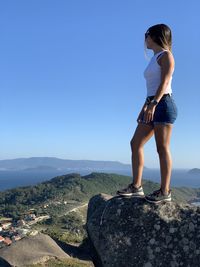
(131, 195)
(159, 201)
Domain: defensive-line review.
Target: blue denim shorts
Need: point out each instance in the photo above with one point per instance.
(165, 112)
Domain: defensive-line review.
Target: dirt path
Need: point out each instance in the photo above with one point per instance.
(77, 208)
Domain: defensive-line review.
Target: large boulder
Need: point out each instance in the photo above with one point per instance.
(130, 232)
(31, 250)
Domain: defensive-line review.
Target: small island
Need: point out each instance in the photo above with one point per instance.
(194, 171)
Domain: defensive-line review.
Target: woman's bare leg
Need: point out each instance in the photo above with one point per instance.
(162, 137)
(142, 134)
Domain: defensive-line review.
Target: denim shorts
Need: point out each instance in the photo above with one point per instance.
(165, 112)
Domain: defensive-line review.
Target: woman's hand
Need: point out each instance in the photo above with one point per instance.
(141, 113)
(149, 112)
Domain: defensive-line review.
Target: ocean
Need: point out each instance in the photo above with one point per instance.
(12, 179)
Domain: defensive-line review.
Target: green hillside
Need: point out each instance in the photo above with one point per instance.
(73, 189)
(64, 199)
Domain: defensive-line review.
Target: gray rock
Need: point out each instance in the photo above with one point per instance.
(172, 230)
(125, 238)
(148, 264)
(185, 241)
(157, 227)
(173, 264)
(152, 241)
(186, 248)
(168, 239)
(32, 250)
(157, 249)
(191, 227)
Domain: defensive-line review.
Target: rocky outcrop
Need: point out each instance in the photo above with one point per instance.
(32, 250)
(130, 232)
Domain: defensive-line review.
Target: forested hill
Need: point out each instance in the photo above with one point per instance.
(73, 187)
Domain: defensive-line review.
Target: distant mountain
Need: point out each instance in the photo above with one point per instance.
(194, 171)
(38, 163)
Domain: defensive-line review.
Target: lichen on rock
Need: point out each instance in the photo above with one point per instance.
(127, 232)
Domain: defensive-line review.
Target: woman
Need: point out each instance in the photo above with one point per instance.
(157, 116)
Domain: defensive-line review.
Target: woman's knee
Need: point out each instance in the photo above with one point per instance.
(163, 150)
(135, 145)
(132, 142)
(142, 134)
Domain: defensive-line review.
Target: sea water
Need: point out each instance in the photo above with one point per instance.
(12, 179)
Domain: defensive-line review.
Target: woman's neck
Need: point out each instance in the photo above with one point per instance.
(158, 50)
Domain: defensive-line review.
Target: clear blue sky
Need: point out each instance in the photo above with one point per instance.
(71, 78)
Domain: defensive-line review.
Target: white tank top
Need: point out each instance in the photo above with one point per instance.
(152, 74)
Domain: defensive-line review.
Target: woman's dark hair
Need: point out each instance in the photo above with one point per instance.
(161, 34)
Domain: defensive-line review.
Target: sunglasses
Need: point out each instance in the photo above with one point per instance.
(147, 34)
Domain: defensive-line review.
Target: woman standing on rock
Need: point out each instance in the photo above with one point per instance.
(157, 115)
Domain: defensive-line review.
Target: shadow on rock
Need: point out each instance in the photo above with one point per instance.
(82, 252)
(4, 263)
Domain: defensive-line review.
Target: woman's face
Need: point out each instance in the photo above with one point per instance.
(148, 40)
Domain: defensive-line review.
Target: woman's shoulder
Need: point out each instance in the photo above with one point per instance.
(165, 56)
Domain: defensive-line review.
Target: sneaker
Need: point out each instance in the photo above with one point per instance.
(158, 197)
(131, 190)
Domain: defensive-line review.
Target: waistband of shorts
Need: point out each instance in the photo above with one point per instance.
(149, 98)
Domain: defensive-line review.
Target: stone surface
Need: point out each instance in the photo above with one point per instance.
(128, 232)
(32, 250)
